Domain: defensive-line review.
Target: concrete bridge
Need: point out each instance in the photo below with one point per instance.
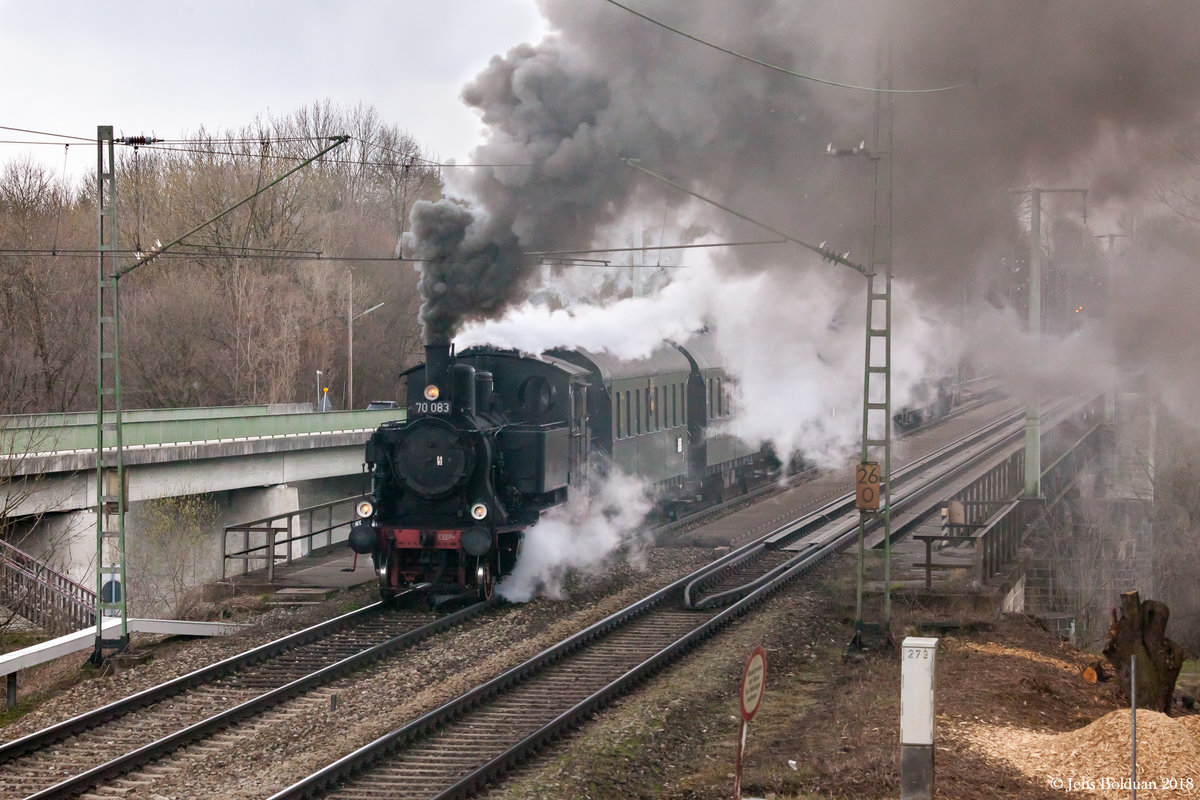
(255, 460)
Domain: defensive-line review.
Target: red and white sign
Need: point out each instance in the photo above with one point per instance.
(754, 680)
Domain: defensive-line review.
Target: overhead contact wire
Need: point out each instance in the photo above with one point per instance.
(776, 68)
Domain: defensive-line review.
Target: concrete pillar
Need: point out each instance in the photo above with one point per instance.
(64, 540)
(243, 505)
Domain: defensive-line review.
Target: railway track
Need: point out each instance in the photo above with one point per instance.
(678, 528)
(455, 749)
(66, 759)
(836, 525)
(652, 631)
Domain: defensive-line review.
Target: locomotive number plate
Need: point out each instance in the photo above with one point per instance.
(438, 407)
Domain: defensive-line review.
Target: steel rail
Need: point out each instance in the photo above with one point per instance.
(362, 758)
(661, 532)
(826, 514)
(179, 738)
(154, 694)
(157, 749)
(843, 505)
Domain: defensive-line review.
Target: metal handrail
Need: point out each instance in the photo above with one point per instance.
(44, 596)
(999, 535)
(266, 550)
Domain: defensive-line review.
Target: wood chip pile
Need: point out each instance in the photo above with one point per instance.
(1094, 761)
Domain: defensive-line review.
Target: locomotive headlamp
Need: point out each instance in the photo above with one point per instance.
(364, 509)
(479, 511)
(431, 392)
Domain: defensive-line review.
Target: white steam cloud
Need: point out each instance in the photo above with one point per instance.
(580, 536)
(794, 344)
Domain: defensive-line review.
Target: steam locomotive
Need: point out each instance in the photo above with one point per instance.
(494, 438)
(932, 399)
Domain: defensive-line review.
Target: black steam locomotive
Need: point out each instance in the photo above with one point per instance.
(494, 438)
(932, 399)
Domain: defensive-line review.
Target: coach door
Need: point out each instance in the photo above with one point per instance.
(580, 434)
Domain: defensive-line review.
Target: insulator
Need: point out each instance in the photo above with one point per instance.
(136, 140)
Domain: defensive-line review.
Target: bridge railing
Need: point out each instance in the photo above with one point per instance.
(996, 520)
(45, 597)
(49, 433)
(267, 541)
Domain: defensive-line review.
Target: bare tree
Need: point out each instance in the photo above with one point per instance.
(244, 311)
(168, 557)
(42, 299)
(277, 315)
(1085, 560)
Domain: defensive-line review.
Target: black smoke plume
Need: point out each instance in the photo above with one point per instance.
(1071, 92)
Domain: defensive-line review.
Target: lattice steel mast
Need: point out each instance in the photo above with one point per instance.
(110, 466)
(876, 454)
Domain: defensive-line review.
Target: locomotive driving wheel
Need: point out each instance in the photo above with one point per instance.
(484, 582)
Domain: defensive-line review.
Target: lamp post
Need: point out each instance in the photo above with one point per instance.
(350, 354)
(350, 317)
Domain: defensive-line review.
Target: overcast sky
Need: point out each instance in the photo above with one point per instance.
(167, 68)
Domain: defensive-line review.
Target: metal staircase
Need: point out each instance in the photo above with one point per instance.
(42, 595)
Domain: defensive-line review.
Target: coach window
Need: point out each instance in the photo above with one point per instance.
(656, 409)
(720, 400)
(617, 411)
(628, 417)
(637, 410)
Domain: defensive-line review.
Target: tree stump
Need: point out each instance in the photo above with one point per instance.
(1095, 672)
(1140, 632)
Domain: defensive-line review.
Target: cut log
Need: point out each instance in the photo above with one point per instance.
(1095, 672)
(1138, 632)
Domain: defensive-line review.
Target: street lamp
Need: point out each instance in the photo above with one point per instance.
(350, 317)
